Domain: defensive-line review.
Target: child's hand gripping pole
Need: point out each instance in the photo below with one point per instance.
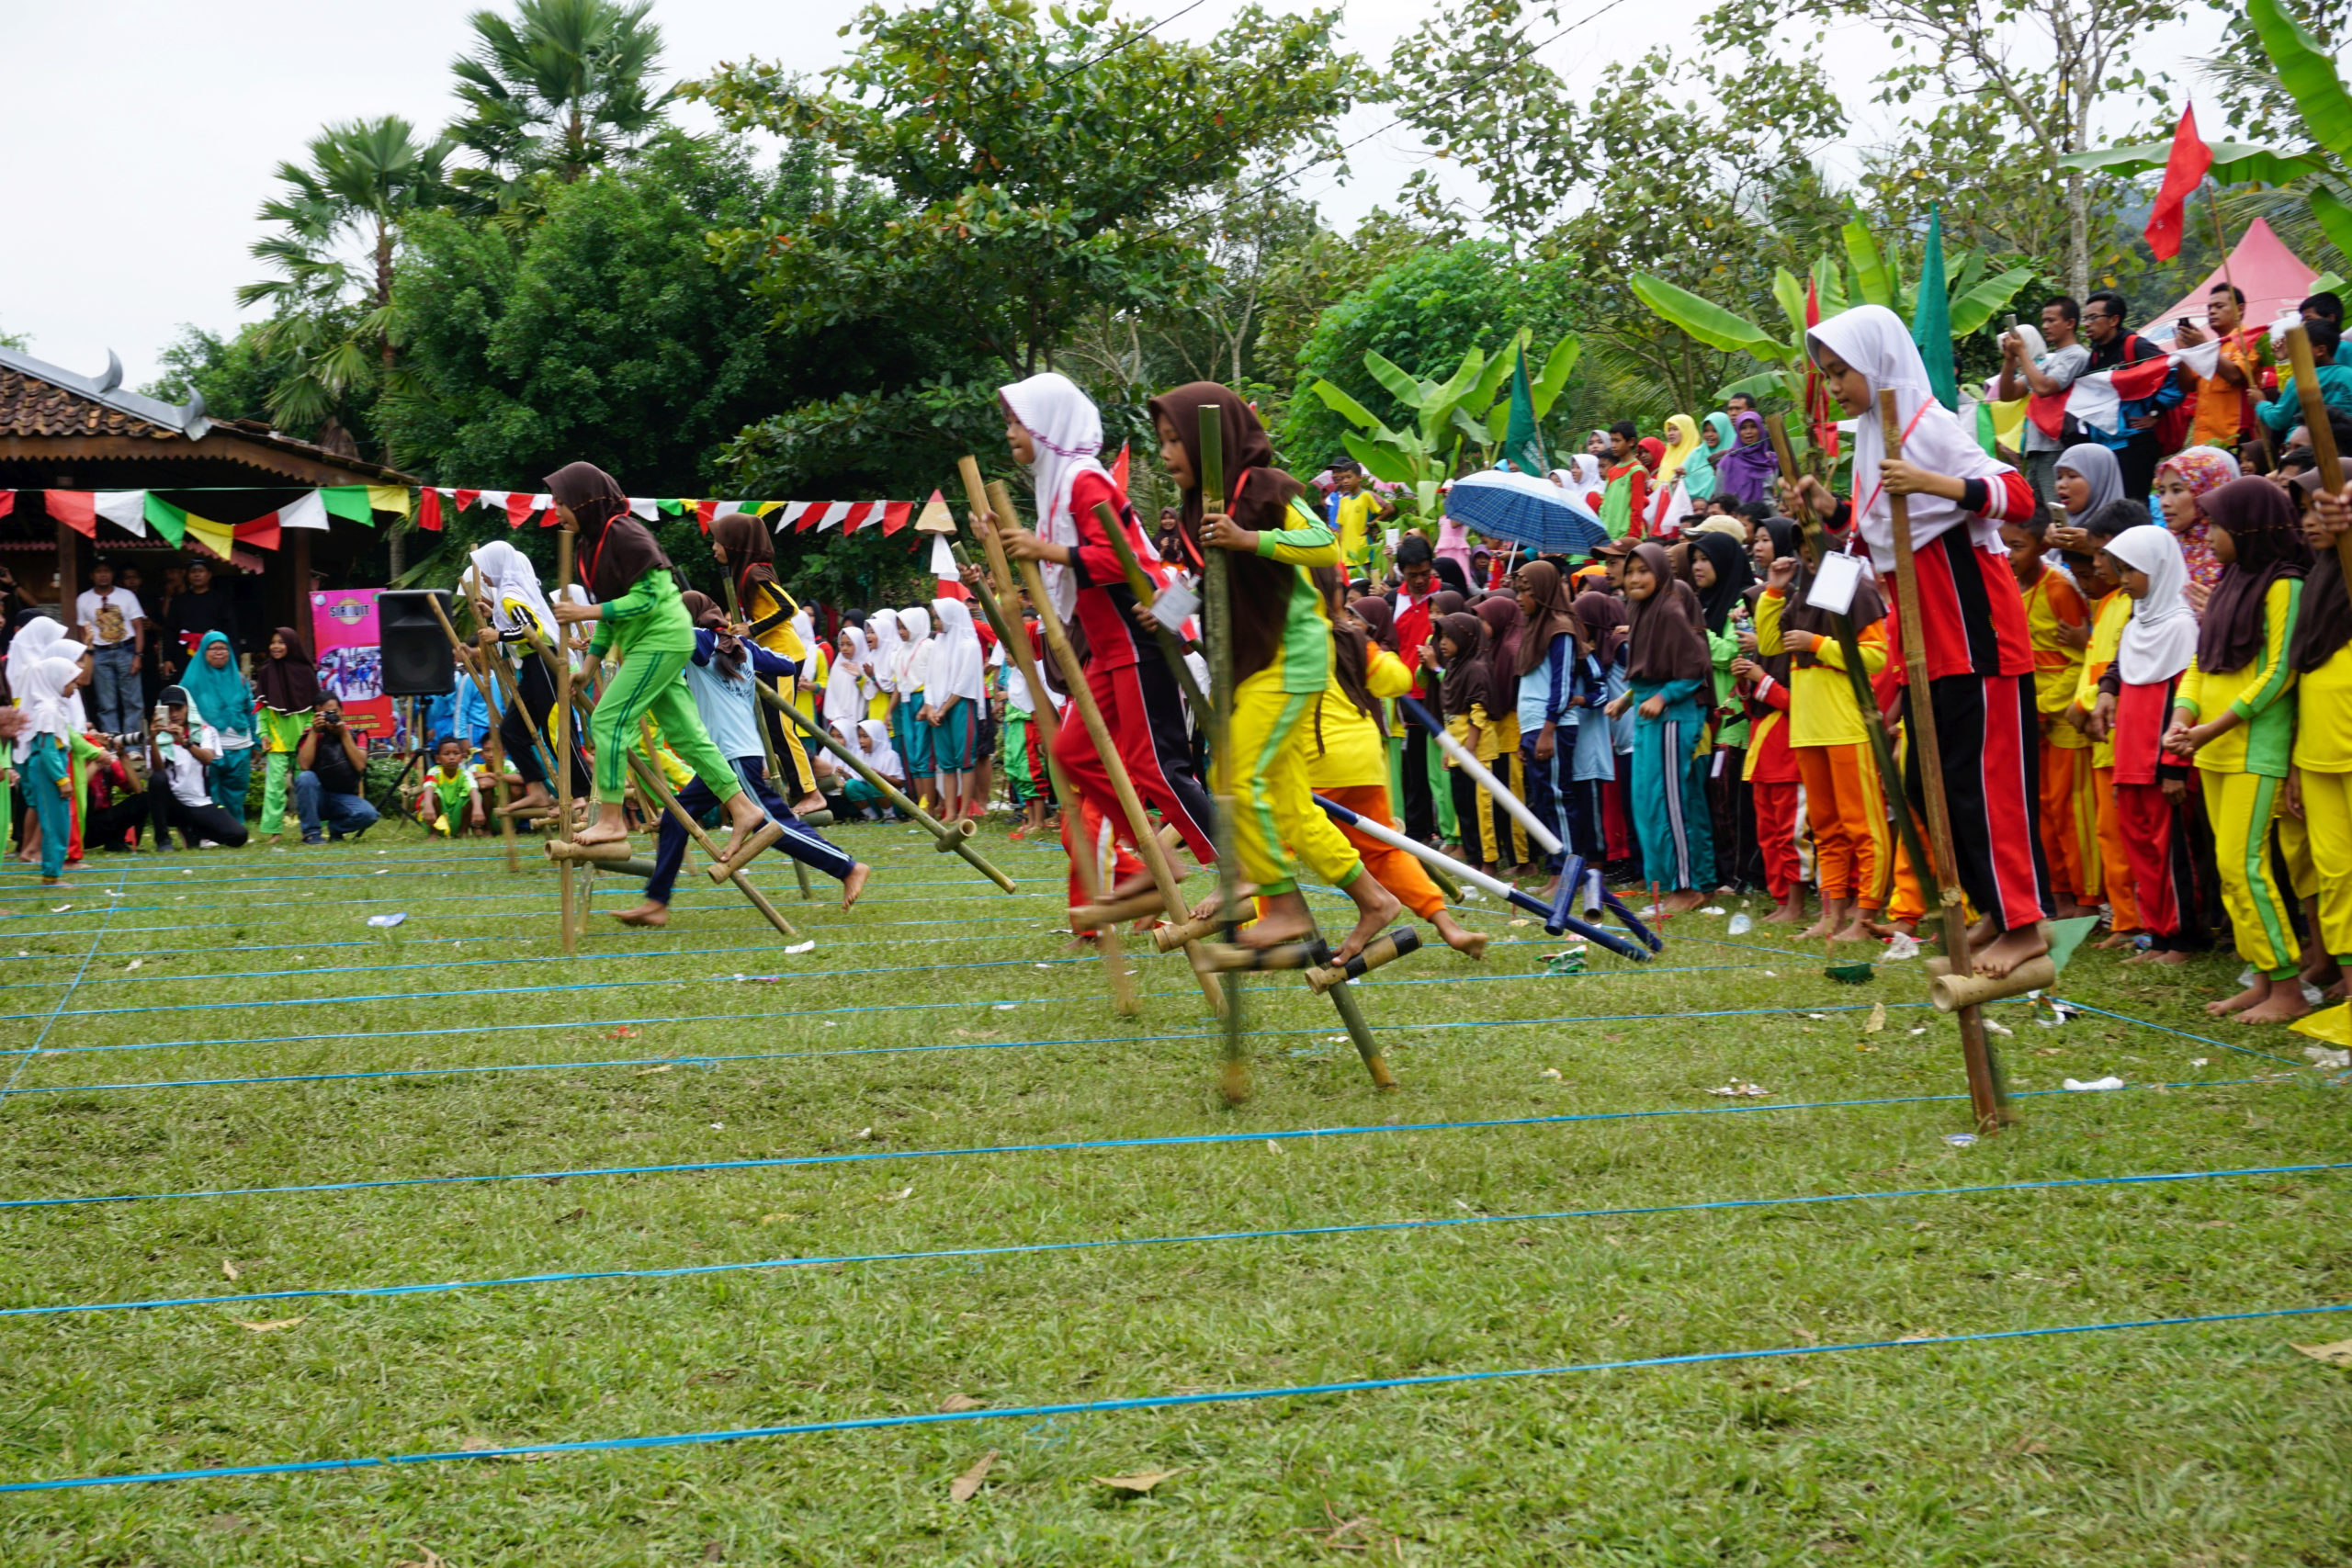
(1986, 1095)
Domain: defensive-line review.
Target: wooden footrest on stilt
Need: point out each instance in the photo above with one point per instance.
(1094, 917)
(612, 849)
(767, 835)
(1952, 992)
(954, 833)
(1222, 957)
(1383, 949)
(638, 868)
(816, 818)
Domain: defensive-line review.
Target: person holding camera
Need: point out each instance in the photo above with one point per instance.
(180, 754)
(331, 777)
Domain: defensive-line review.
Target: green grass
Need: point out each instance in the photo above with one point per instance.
(2206, 1444)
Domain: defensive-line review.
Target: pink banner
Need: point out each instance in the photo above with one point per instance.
(348, 651)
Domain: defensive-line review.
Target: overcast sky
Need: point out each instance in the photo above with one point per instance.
(143, 134)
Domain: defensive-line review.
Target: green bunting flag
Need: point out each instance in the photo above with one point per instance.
(1931, 317)
(1523, 443)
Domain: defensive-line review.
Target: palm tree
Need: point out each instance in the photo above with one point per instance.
(363, 177)
(565, 87)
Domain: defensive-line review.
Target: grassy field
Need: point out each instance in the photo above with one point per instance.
(944, 1016)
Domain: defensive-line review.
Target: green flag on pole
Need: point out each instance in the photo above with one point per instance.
(1931, 318)
(1523, 443)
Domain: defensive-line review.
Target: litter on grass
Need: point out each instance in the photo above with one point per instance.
(386, 922)
(809, 946)
(2076, 1085)
(1901, 945)
(1742, 1091)
(1960, 1139)
(1740, 925)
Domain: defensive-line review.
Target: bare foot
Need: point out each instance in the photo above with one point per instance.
(2159, 955)
(534, 801)
(854, 883)
(1786, 914)
(807, 803)
(2115, 942)
(1376, 908)
(1821, 929)
(2323, 973)
(1982, 933)
(1549, 891)
(743, 820)
(2253, 995)
(1459, 937)
(1857, 929)
(2284, 1005)
(2068, 909)
(1285, 920)
(2010, 949)
(602, 833)
(1139, 883)
(1681, 902)
(646, 914)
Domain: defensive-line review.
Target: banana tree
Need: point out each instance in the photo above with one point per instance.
(1544, 386)
(1421, 455)
(1869, 276)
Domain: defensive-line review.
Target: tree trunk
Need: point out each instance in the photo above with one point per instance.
(383, 302)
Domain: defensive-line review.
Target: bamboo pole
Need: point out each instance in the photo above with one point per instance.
(1217, 586)
(649, 774)
(1986, 1094)
(494, 745)
(948, 837)
(565, 536)
(1084, 860)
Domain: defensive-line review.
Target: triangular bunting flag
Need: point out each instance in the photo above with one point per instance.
(861, 514)
(833, 516)
(805, 513)
(388, 498)
(8, 502)
(77, 509)
(217, 537)
(167, 520)
(943, 567)
(350, 502)
(545, 505)
(644, 508)
(1119, 468)
(428, 510)
(518, 507)
(674, 507)
(461, 499)
(261, 533)
(126, 509)
(896, 514)
(766, 507)
(311, 512)
(935, 518)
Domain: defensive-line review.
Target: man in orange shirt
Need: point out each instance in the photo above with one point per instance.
(2223, 400)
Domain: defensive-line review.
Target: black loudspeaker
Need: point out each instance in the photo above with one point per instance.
(417, 661)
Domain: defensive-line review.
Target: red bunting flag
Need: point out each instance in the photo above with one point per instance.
(428, 510)
(77, 509)
(895, 515)
(461, 499)
(8, 502)
(518, 508)
(262, 533)
(2184, 172)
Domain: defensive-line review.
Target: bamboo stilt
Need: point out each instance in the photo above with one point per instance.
(1217, 590)
(649, 778)
(491, 745)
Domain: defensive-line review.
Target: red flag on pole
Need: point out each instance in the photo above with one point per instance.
(2184, 172)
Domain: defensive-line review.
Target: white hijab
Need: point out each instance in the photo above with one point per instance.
(915, 669)
(957, 666)
(40, 685)
(35, 638)
(1068, 431)
(2160, 637)
(512, 585)
(879, 754)
(1873, 340)
(845, 703)
(1588, 472)
(883, 625)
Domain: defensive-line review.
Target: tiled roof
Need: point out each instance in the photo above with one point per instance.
(31, 405)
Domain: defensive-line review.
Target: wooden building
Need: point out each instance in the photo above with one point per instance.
(61, 431)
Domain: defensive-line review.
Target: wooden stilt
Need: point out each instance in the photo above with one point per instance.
(490, 745)
(1987, 1095)
(1216, 584)
(565, 536)
(649, 778)
(767, 741)
(1086, 859)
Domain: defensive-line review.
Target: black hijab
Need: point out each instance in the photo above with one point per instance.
(1257, 496)
(1669, 634)
(615, 549)
(2269, 543)
(1734, 572)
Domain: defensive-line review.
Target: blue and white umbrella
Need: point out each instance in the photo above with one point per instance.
(1537, 513)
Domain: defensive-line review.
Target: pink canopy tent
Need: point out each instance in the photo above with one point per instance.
(2262, 266)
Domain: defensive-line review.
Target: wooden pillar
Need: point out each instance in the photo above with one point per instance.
(69, 573)
(297, 556)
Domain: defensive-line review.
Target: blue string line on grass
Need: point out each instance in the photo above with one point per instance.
(1157, 1401)
(1179, 1140)
(25, 1057)
(2183, 1034)
(1027, 1249)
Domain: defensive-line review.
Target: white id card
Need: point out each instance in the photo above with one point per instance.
(1833, 584)
(1173, 605)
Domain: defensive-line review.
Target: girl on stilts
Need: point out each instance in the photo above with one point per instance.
(638, 613)
(1670, 676)
(1282, 661)
(2234, 713)
(1980, 659)
(739, 543)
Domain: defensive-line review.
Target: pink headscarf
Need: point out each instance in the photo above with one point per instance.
(2202, 468)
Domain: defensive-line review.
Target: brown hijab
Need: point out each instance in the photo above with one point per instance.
(1257, 496)
(1554, 614)
(1670, 634)
(1506, 628)
(2269, 538)
(750, 554)
(1379, 618)
(1603, 617)
(615, 549)
(1468, 677)
(1351, 650)
(290, 684)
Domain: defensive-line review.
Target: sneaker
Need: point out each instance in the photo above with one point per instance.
(207, 843)
(312, 839)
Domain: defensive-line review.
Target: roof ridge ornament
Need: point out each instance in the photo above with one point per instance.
(111, 378)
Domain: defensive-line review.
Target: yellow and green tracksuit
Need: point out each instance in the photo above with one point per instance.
(2243, 772)
(1266, 776)
(282, 733)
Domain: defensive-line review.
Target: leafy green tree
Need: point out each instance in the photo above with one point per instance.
(1039, 169)
(562, 87)
(363, 177)
(1427, 314)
